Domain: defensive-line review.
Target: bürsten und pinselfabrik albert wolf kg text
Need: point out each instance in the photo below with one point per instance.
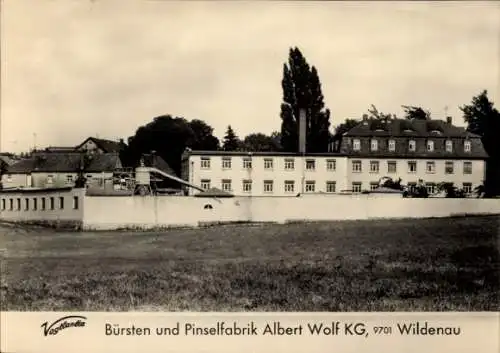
(276, 328)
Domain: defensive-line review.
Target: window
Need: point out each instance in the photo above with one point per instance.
(205, 184)
(61, 202)
(310, 164)
(467, 167)
(226, 185)
(26, 204)
(75, 202)
(52, 203)
(356, 187)
(289, 164)
(268, 186)
(431, 188)
(35, 203)
(3, 204)
(412, 167)
(331, 186)
(449, 146)
(205, 163)
(226, 163)
(467, 187)
(373, 145)
(9, 178)
(247, 163)
(430, 167)
(50, 179)
(391, 167)
(356, 145)
(412, 146)
(11, 204)
(392, 145)
(448, 167)
(374, 166)
(69, 179)
(310, 186)
(356, 166)
(289, 186)
(430, 146)
(331, 164)
(247, 185)
(268, 163)
(467, 146)
(373, 185)
(43, 203)
(18, 205)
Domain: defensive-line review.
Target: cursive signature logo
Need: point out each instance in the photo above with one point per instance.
(62, 323)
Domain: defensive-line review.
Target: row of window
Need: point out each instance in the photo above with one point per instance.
(331, 164)
(268, 185)
(430, 167)
(17, 204)
(310, 186)
(412, 145)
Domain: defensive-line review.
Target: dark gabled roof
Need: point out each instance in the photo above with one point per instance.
(403, 127)
(155, 161)
(107, 146)
(7, 160)
(105, 162)
(54, 162)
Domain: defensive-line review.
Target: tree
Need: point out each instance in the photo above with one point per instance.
(302, 90)
(483, 119)
(168, 137)
(231, 141)
(416, 113)
(375, 114)
(347, 125)
(260, 142)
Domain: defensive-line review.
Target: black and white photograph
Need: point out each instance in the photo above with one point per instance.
(249, 156)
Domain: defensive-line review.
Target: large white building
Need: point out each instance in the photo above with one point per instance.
(430, 151)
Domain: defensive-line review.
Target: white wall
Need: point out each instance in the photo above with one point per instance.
(150, 212)
(68, 213)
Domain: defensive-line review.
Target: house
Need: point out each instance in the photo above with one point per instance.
(51, 169)
(97, 145)
(432, 151)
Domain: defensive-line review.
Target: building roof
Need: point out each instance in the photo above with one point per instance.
(59, 149)
(108, 146)
(155, 161)
(407, 128)
(7, 160)
(61, 162)
(260, 154)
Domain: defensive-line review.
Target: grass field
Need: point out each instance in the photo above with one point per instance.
(393, 265)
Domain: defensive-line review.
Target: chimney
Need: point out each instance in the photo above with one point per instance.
(448, 120)
(302, 131)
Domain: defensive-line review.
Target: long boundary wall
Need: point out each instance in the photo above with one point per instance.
(79, 211)
(103, 213)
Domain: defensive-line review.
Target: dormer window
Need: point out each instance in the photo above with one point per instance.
(449, 146)
(356, 145)
(467, 146)
(412, 146)
(436, 132)
(430, 146)
(392, 145)
(374, 145)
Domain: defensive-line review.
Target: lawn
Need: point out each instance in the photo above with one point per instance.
(387, 265)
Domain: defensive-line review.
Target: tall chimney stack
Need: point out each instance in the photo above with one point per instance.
(448, 120)
(302, 131)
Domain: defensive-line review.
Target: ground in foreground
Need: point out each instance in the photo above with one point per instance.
(404, 265)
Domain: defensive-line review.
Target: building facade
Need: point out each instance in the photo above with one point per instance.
(429, 151)
(425, 151)
(265, 173)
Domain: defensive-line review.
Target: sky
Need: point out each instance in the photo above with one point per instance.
(73, 69)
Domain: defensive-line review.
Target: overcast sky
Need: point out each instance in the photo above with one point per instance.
(73, 69)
